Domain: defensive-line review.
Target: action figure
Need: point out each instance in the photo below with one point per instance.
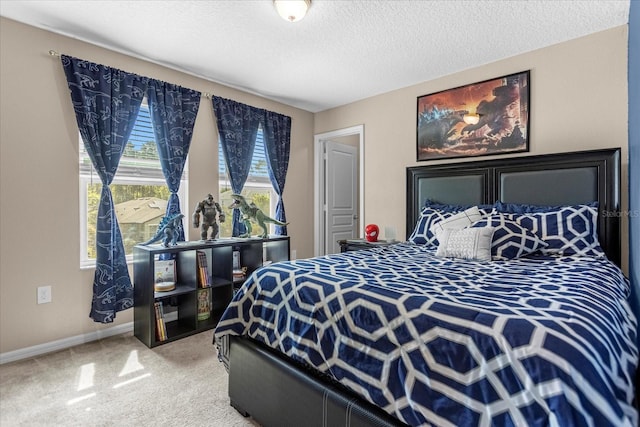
(250, 212)
(168, 231)
(209, 209)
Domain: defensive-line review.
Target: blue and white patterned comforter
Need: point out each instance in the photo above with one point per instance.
(546, 341)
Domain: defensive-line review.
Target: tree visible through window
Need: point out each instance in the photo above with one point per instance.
(140, 193)
(257, 189)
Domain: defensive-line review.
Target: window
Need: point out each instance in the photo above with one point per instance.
(257, 189)
(140, 193)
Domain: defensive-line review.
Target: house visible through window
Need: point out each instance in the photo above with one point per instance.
(257, 189)
(140, 193)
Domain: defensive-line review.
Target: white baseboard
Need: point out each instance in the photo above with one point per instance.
(36, 350)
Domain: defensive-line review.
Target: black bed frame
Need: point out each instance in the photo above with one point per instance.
(276, 391)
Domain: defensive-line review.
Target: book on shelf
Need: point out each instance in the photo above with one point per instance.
(204, 304)
(164, 275)
(204, 279)
(161, 328)
(239, 274)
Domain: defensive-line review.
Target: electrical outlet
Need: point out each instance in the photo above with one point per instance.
(44, 294)
(294, 254)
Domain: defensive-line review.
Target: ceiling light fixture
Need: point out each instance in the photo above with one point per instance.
(292, 10)
(471, 118)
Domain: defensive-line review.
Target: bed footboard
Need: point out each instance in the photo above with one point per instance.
(265, 386)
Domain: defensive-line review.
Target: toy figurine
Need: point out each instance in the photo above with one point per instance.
(250, 212)
(209, 209)
(371, 233)
(168, 231)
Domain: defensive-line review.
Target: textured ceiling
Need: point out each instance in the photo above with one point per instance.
(343, 51)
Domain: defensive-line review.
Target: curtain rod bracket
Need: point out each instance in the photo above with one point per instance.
(53, 53)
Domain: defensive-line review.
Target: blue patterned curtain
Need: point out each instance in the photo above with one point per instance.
(173, 114)
(277, 145)
(106, 102)
(238, 127)
(634, 153)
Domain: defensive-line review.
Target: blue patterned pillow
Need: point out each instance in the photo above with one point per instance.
(422, 234)
(567, 230)
(510, 240)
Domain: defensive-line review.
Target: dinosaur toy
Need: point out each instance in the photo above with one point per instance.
(168, 231)
(250, 212)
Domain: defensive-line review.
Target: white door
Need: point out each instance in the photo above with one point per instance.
(341, 194)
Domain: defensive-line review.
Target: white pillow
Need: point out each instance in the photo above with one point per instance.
(456, 222)
(468, 243)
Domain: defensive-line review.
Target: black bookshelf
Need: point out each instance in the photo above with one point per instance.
(198, 299)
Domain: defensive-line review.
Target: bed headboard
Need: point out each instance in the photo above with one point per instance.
(550, 179)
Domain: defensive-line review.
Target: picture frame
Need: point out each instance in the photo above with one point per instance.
(485, 118)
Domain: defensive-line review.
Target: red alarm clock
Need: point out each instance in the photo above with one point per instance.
(371, 233)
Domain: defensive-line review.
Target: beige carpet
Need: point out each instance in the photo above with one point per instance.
(118, 381)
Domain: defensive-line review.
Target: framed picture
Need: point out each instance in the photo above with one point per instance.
(480, 119)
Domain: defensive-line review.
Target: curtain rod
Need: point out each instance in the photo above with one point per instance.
(204, 94)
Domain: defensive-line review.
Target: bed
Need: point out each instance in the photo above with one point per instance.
(405, 335)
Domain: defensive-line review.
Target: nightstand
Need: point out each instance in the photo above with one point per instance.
(358, 244)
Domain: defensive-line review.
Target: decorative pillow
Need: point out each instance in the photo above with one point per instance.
(434, 212)
(520, 208)
(421, 234)
(468, 243)
(456, 222)
(484, 209)
(510, 240)
(567, 230)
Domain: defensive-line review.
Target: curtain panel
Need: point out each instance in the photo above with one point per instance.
(237, 128)
(277, 144)
(173, 114)
(106, 102)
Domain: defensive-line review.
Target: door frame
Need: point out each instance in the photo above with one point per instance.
(319, 181)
